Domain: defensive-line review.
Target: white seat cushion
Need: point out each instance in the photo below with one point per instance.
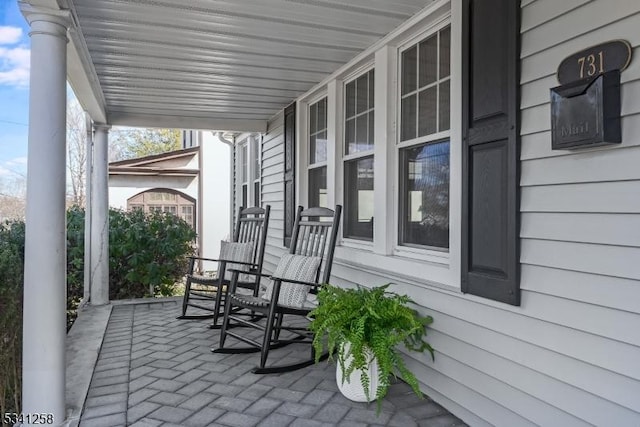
(294, 267)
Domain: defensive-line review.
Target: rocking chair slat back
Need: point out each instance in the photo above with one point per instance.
(315, 232)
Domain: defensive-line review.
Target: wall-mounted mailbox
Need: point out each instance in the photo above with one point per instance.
(586, 112)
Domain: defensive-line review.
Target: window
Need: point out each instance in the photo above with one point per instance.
(187, 214)
(425, 187)
(244, 174)
(424, 142)
(358, 156)
(318, 153)
(164, 200)
(255, 151)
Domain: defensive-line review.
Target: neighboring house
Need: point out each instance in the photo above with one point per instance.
(178, 182)
(430, 121)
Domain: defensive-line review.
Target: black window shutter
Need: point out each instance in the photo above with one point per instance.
(289, 171)
(490, 179)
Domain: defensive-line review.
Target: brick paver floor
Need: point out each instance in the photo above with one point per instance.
(156, 370)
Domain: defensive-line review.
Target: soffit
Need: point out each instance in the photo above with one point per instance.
(202, 63)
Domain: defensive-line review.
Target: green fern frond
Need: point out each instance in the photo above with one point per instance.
(374, 321)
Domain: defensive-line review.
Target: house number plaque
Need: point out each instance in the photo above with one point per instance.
(590, 62)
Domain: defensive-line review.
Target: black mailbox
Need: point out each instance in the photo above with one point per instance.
(586, 113)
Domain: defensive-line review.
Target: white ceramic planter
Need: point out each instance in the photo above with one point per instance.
(351, 387)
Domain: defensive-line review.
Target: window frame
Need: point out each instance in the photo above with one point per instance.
(243, 150)
(428, 268)
(358, 155)
(256, 169)
(309, 167)
(421, 252)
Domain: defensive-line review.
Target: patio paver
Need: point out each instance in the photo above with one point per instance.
(155, 370)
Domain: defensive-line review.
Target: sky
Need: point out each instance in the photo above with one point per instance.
(14, 94)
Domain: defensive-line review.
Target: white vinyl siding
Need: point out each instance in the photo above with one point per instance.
(273, 189)
(568, 356)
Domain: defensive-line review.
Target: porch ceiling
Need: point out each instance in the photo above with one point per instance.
(215, 64)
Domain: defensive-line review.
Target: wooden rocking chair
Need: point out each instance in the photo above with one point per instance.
(245, 254)
(297, 274)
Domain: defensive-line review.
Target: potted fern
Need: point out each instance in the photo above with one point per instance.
(363, 327)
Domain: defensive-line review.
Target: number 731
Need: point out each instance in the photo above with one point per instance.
(591, 64)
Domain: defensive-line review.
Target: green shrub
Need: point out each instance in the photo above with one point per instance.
(147, 250)
(75, 261)
(11, 279)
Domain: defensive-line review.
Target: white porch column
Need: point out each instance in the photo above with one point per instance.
(87, 209)
(44, 322)
(100, 218)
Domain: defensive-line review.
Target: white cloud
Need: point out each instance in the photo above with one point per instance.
(17, 161)
(14, 66)
(10, 35)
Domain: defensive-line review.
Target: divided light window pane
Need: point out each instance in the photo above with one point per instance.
(244, 157)
(425, 88)
(318, 132)
(445, 49)
(359, 99)
(427, 111)
(445, 106)
(256, 158)
(408, 112)
(409, 69)
(362, 93)
(428, 67)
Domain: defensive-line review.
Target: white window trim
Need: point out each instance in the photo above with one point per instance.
(302, 148)
(435, 255)
(247, 140)
(255, 149)
(344, 158)
(431, 267)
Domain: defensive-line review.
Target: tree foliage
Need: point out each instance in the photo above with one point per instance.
(134, 143)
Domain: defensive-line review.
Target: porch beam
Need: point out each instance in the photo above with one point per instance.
(44, 315)
(83, 78)
(178, 122)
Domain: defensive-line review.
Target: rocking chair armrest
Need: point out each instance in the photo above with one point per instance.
(251, 273)
(296, 282)
(196, 258)
(199, 258)
(230, 261)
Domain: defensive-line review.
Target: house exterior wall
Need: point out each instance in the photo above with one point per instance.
(212, 198)
(568, 355)
(216, 185)
(123, 187)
